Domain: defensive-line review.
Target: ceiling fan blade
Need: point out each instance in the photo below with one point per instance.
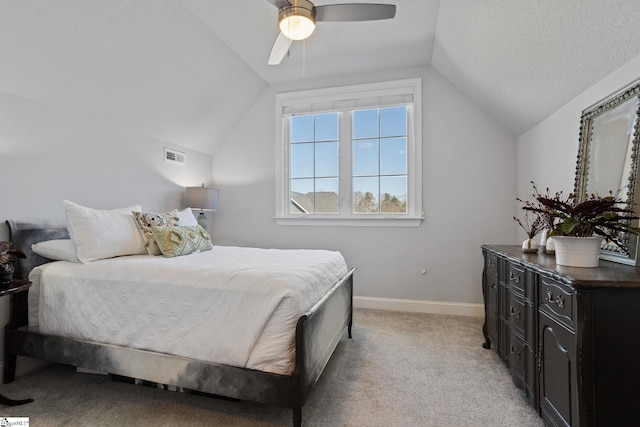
(355, 12)
(279, 3)
(280, 49)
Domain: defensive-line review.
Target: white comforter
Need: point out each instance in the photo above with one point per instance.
(230, 305)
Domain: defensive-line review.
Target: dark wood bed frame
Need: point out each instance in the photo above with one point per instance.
(317, 334)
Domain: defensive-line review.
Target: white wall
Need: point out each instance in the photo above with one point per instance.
(547, 154)
(47, 155)
(469, 187)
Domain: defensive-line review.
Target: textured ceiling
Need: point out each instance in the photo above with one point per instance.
(522, 60)
(185, 71)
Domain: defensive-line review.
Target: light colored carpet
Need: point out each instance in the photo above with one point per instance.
(398, 370)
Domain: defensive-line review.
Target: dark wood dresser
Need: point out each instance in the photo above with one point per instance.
(570, 336)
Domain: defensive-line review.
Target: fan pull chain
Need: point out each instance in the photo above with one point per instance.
(304, 58)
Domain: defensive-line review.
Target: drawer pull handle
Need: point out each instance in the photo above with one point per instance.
(515, 351)
(559, 299)
(515, 278)
(515, 313)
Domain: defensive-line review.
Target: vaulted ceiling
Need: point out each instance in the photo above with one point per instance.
(185, 71)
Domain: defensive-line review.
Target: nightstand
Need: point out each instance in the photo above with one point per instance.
(12, 289)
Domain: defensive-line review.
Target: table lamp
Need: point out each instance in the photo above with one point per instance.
(204, 199)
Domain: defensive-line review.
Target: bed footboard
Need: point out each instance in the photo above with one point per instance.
(318, 333)
(319, 330)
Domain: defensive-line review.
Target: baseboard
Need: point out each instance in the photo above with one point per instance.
(420, 306)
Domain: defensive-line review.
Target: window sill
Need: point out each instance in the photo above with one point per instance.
(389, 221)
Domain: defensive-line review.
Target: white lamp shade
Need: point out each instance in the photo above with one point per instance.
(205, 199)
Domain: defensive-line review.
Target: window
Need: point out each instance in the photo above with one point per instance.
(313, 164)
(350, 155)
(379, 143)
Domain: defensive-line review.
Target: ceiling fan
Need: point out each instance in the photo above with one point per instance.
(297, 20)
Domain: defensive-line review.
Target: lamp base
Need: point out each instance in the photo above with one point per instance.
(202, 220)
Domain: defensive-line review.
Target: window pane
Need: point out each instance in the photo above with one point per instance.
(301, 197)
(393, 190)
(365, 195)
(365, 124)
(326, 127)
(301, 128)
(301, 160)
(326, 159)
(393, 156)
(393, 121)
(326, 195)
(365, 157)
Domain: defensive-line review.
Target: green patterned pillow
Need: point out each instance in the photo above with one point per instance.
(146, 220)
(181, 239)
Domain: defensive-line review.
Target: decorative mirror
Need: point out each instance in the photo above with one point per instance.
(608, 157)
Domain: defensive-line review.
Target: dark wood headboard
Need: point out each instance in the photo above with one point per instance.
(23, 234)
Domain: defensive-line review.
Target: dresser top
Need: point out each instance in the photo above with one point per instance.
(607, 275)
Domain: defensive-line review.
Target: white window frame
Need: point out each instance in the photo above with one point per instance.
(346, 99)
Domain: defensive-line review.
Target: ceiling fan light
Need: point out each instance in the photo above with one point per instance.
(297, 23)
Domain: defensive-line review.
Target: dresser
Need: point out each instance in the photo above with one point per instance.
(569, 336)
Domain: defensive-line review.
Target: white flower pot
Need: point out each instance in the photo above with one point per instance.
(550, 246)
(529, 246)
(543, 238)
(577, 251)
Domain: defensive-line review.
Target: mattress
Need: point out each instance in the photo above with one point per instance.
(230, 305)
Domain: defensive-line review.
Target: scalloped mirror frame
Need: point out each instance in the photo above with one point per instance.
(586, 140)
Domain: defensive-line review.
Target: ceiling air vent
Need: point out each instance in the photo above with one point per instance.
(173, 156)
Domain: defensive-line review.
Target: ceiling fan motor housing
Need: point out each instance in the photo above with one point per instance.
(297, 22)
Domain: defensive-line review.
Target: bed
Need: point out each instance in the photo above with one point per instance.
(314, 333)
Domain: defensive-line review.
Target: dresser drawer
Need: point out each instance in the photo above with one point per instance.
(557, 300)
(517, 354)
(516, 276)
(490, 263)
(516, 312)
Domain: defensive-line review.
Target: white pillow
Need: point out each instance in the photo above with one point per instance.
(99, 234)
(57, 250)
(185, 217)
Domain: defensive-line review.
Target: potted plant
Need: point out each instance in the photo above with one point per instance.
(546, 220)
(531, 228)
(7, 262)
(579, 227)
